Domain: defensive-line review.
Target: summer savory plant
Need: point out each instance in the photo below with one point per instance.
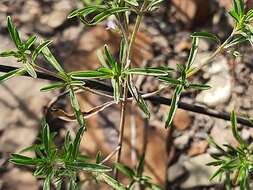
(60, 165)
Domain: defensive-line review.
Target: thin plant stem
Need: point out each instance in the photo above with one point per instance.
(133, 134)
(110, 155)
(125, 89)
(38, 68)
(121, 128)
(216, 52)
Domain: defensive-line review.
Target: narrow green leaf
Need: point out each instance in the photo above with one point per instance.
(132, 2)
(125, 170)
(238, 40)
(116, 89)
(13, 33)
(40, 171)
(29, 68)
(236, 134)
(215, 163)
(199, 86)
(206, 35)
(214, 144)
(174, 105)
(52, 86)
(83, 158)
(148, 71)
(58, 184)
(155, 187)
(249, 15)
(76, 145)
(106, 13)
(77, 141)
(171, 80)
(110, 181)
(67, 140)
(138, 98)
(46, 139)
(99, 157)
(141, 164)
(216, 173)
(92, 15)
(122, 51)
(74, 83)
(30, 42)
(8, 53)
(23, 160)
(39, 49)
(101, 59)
(239, 7)
(16, 72)
(72, 185)
(193, 52)
(108, 71)
(109, 57)
(87, 74)
(46, 184)
(86, 10)
(90, 167)
(51, 59)
(76, 108)
(152, 186)
(154, 4)
(234, 15)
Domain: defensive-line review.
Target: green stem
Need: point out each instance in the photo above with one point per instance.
(136, 29)
(217, 51)
(125, 89)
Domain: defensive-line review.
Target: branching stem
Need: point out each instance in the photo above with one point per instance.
(125, 89)
(215, 53)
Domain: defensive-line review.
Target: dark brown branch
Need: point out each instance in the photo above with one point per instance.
(154, 99)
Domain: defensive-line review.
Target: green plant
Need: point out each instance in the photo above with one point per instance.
(91, 2)
(235, 163)
(56, 164)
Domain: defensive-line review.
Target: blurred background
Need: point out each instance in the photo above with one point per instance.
(175, 158)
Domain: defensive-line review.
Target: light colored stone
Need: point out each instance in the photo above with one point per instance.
(220, 65)
(20, 180)
(71, 33)
(161, 41)
(197, 148)
(182, 141)
(220, 81)
(16, 139)
(58, 15)
(245, 134)
(7, 44)
(31, 10)
(175, 171)
(220, 92)
(222, 135)
(199, 172)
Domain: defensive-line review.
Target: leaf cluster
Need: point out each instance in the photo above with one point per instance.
(136, 175)
(235, 163)
(56, 164)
